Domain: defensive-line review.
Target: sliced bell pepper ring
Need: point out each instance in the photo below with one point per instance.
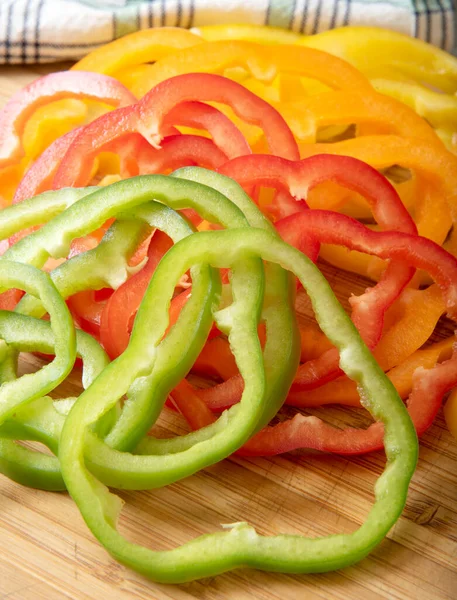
(306, 116)
(433, 219)
(365, 47)
(67, 84)
(148, 118)
(264, 63)
(429, 387)
(242, 545)
(300, 177)
(140, 47)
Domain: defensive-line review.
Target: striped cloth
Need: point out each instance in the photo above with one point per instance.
(50, 30)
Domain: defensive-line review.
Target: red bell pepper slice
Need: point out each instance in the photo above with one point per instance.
(56, 86)
(120, 310)
(199, 115)
(76, 164)
(297, 179)
(150, 115)
(153, 108)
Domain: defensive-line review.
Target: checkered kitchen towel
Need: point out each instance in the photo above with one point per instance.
(49, 30)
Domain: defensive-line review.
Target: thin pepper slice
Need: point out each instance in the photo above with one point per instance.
(143, 46)
(136, 155)
(437, 168)
(366, 47)
(242, 545)
(306, 116)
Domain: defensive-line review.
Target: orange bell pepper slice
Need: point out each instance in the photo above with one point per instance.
(416, 314)
(307, 114)
(343, 390)
(435, 167)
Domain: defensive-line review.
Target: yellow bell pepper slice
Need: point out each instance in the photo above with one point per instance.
(365, 47)
(140, 47)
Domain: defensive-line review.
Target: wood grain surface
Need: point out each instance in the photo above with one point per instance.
(47, 552)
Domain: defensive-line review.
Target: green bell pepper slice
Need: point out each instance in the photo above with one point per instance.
(242, 546)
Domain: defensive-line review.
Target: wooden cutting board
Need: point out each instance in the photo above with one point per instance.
(47, 552)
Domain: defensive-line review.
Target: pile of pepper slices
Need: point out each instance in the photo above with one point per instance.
(163, 204)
